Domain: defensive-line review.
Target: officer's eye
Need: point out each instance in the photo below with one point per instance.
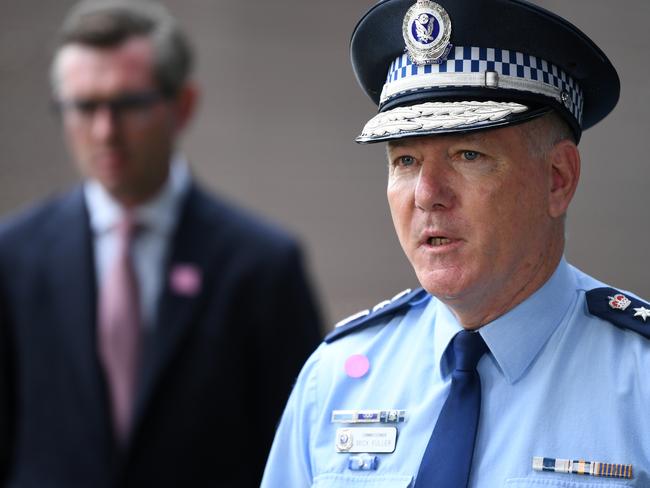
(405, 161)
(470, 155)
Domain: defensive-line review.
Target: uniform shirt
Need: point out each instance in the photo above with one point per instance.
(557, 382)
(157, 220)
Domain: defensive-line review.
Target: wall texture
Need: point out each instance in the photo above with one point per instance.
(275, 133)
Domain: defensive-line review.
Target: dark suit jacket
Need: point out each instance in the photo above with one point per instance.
(217, 369)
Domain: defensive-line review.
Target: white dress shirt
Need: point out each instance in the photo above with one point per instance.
(157, 220)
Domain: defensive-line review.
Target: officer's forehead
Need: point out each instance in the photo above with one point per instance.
(470, 137)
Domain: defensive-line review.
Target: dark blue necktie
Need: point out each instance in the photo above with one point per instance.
(448, 458)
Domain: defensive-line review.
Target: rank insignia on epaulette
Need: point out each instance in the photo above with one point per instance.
(619, 302)
(374, 309)
(620, 308)
(367, 318)
(642, 312)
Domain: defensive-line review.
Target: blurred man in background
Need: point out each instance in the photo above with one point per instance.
(143, 322)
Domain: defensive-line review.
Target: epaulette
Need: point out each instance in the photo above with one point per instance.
(622, 310)
(367, 318)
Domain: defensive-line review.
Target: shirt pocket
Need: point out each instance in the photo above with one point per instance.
(334, 480)
(568, 483)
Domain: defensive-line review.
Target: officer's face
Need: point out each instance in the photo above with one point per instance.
(473, 214)
(118, 126)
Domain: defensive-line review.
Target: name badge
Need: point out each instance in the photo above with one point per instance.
(366, 439)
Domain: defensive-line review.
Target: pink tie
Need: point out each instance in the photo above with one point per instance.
(119, 329)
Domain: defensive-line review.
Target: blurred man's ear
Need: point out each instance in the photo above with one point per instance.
(185, 103)
(565, 173)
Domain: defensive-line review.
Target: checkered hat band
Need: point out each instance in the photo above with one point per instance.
(485, 67)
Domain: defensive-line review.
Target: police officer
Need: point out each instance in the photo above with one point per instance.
(509, 367)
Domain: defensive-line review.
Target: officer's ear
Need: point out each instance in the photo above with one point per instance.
(564, 161)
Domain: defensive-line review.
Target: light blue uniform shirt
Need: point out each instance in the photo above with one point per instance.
(558, 382)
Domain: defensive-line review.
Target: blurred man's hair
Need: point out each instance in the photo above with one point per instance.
(109, 23)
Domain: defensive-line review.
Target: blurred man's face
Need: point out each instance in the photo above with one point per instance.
(119, 128)
(472, 213)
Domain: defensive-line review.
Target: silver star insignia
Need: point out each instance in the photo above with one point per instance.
(642, 312)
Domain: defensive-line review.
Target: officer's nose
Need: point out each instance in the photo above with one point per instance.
(433, 190)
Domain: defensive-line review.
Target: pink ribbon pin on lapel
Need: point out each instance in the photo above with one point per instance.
(185, 279)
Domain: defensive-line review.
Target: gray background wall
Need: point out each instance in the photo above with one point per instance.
(275, 133)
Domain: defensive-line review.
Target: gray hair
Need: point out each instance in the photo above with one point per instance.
(546, 131)
(109, 23)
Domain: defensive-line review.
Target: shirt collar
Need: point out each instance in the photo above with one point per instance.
(158, 214)
(515, 338)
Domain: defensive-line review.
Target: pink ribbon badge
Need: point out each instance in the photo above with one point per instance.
(357, 365)
(185, 279)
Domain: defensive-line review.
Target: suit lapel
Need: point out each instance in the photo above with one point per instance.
(70, 272)
(183, 290)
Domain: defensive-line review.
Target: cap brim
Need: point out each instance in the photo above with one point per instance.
(431, 118)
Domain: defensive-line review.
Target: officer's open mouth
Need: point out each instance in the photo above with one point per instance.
(438, 241)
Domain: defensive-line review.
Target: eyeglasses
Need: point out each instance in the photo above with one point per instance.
(126, 106)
